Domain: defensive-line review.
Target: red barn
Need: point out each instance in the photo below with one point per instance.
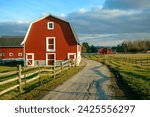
(50, 39)
(105, 51)
(11, 48)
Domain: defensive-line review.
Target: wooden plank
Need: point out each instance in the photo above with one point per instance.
(29, 74)
(65, 68)
(46, 70)
(64, 62)
(8, 73)
(9, 89)
(57, 68)
(65, 65)
(29, 68)
(45, 74)
(58, 72)
(30, 80)
(8, 81)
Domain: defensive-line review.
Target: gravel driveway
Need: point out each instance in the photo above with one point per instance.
(94, 82)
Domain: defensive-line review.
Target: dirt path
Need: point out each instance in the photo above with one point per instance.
(94, 82)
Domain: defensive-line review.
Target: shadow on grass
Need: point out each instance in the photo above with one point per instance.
(128, 91)
(136, 76)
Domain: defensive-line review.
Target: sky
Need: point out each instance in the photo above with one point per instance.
(98, 22)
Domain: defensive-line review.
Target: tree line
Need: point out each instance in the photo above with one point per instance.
(133, 46)
(86, 48)
(136, 46)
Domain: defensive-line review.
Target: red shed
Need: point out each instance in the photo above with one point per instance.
(50, 39)
(105, 51)
(11, 48)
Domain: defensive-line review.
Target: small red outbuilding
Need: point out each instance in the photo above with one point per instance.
(11, 48)
(105, 51)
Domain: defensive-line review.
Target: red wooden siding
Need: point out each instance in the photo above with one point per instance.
(64, 39)
(14, 50)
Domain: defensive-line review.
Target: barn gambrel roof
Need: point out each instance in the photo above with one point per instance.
(73, 30)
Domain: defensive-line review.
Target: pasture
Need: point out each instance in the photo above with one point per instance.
(135, 75)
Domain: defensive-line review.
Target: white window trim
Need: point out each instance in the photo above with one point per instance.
(50, 59)
(75, 56)
(20, 54)
(2, 54)
(11, 54)
(47, 45)
(32, 54)
(49, 27)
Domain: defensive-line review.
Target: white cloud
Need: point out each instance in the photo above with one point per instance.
(106, 21)
(62, 15)
(82, 10)
(22, 22)
(111, 39)
(127, 4)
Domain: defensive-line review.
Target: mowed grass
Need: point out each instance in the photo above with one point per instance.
(133, 56)
(136, 77)
(36, 89)
(4, 69)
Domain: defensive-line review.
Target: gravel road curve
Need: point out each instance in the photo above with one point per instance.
(94, 82)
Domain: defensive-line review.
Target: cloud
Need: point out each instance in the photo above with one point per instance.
(62, 15)
(116, 21)
(127, 4)
(82, 10)
(106, 21)
(119, 20)
(111, 39)
(13, 28)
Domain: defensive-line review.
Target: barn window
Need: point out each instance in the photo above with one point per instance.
(11, 54)
(19, 54)
(72, 56)
(2, 54)
(50, 25)
(50, 44)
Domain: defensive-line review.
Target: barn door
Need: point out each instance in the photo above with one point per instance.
(30, 59)
(50, 58)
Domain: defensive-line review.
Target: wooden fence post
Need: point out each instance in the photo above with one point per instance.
(69, 63)
(39, 74)
(141, 61)
(19, 79)
(61, 66)
(54, 70)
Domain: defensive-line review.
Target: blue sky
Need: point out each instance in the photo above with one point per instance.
(28, 10)
(99, 22)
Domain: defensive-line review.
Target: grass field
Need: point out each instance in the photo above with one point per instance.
(133, 56)
(36, 90)
(136, 77)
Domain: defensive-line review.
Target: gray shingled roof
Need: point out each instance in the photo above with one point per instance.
(11, 41)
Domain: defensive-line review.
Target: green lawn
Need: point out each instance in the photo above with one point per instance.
(7, 69)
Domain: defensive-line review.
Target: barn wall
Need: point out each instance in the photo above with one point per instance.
(36, 40)
(13, 50)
